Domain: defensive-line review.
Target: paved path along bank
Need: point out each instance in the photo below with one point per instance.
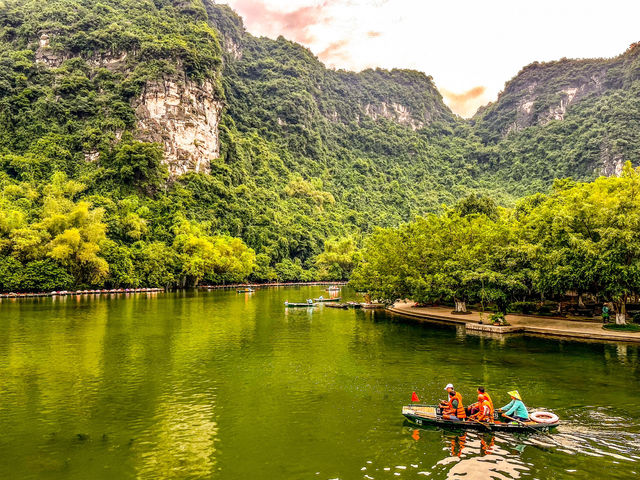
(519, 324)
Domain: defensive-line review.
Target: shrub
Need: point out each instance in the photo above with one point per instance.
(498, 318)
(523, 307)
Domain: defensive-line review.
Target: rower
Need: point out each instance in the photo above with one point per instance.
(515, 408)
(453, 409)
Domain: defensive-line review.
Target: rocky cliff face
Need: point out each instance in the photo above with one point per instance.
(395, 112)
(174, 111)
(537, 106)
(182, 116)
(611, 161)
(543, 92)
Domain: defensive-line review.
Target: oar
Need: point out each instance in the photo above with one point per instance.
(534, 429)
(485, 425)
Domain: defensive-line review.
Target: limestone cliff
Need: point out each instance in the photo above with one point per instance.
(537, 105)
(395, 112)
(288, 89)
(182, 116)
(543, 92)
(176, 112)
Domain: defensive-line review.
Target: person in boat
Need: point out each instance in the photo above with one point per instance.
(484, 412)
(515, 408)
(453, 408)
(475, 407)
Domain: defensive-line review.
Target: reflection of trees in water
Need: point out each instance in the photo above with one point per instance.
(475, 455)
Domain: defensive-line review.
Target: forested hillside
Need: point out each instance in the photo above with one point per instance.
(157, 143)
(570, 118)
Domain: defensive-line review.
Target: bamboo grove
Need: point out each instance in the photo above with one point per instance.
(581, 237)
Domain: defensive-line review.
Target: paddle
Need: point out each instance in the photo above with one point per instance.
(485, 425)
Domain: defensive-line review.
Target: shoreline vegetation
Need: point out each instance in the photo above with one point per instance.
(92, 195)
(581, 238)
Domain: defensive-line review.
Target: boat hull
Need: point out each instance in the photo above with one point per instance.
(344, 306)
(425, 415)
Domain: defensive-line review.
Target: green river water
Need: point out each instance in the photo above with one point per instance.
(220, 385)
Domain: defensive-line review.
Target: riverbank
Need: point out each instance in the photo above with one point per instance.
(66, 293)
(112, 291)
(527, 324)
(279, 284)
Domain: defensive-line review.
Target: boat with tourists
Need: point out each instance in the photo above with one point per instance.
(322, 299)
(333, 288)
(308, 303)
(245, 290)
(424, 415)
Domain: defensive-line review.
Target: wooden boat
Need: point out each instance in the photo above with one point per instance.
(336, 305)
(424, 415)
(245, 290)
(373, 306)
(299, 304)
(322, 299)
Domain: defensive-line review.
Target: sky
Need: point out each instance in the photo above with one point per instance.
(470, 48)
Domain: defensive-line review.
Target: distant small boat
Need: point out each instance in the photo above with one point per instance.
(333, 289)
(354, 305)
(308, 303)
(322, 299)
(373, 306)
(245, 290)
(336, 305)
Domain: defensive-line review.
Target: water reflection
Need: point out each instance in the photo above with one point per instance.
(479, 455)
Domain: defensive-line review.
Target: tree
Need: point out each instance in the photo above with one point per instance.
(156, 264)
(589, 238)
(140, 165)
(218, 258)
(384, 270)
(338, 259)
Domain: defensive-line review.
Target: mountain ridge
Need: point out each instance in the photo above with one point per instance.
(165, 131)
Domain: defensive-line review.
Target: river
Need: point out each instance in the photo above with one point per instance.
(220, 385)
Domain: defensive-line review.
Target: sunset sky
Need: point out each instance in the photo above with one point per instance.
(471, 48)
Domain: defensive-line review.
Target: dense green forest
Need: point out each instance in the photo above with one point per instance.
(581, 237)
(311, 159)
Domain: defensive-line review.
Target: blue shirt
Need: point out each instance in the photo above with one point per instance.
(517, 408)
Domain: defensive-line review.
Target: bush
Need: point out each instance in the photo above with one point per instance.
(498, 318)
(636, 317)
(523, 307)
(544, 310)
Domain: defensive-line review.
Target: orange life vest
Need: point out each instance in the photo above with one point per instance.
(485, 412)
(487, 398)
(459, 412)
